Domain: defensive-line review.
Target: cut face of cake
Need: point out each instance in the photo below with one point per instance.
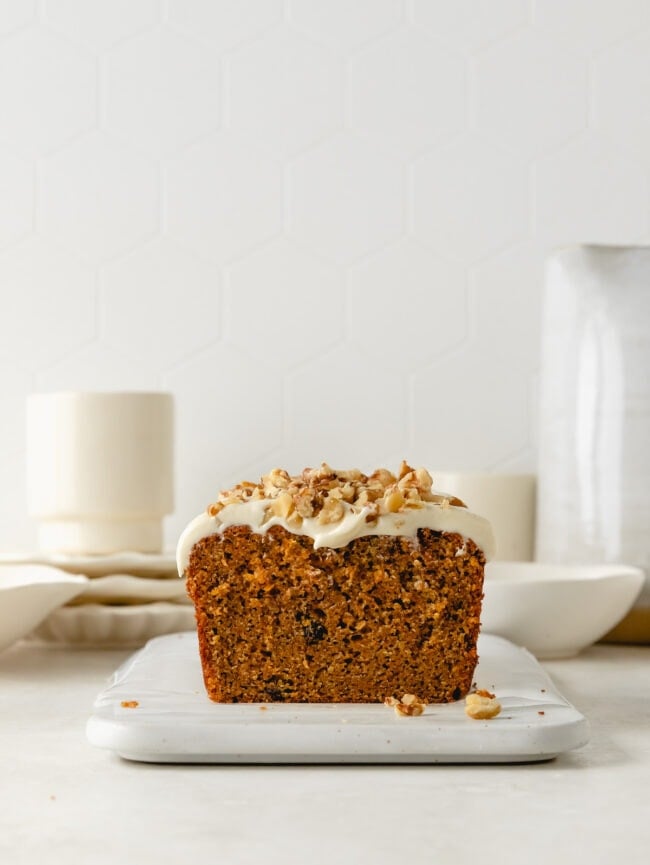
(336, 587)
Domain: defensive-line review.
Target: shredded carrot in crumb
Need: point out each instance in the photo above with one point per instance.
(129, 704)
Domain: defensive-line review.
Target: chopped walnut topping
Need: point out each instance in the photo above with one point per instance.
(326, 494)
(404, 470)
(304, 503)
(383, 477)
(332, 510)
(277, 479)
(482, 705)
(393, 501)
(282, 505)
(408, 706)
(294, 520)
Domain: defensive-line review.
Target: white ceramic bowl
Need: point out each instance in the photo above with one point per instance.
(125, 589)
(28, 594)
(100, 626)
(555, 611)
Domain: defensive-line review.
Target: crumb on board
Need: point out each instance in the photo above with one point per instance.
(408, 706)
(129, 704)
(541, 713)
(263, 708)
(482, 705)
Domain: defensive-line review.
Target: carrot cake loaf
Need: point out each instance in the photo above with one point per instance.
(336, 586)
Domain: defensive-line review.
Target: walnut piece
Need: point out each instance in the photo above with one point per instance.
(282, 505)
(482, 705)
(332, 510)
(409, 706)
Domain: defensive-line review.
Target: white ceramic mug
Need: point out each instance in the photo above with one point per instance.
(100, 470)
(506, 500)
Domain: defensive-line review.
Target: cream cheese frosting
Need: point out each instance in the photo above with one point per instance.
(257, 515)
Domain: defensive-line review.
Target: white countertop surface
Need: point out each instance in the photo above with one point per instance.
(63, 801)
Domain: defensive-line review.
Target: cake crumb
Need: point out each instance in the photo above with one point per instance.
(541, 713)
(482, 705)
(129, 704)
(408, 706)
(263, 708)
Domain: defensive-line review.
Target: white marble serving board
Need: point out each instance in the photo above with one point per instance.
(175, 722)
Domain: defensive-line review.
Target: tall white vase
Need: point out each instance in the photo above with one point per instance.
(594, 447)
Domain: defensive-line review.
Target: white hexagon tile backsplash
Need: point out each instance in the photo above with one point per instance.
(322, 225)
